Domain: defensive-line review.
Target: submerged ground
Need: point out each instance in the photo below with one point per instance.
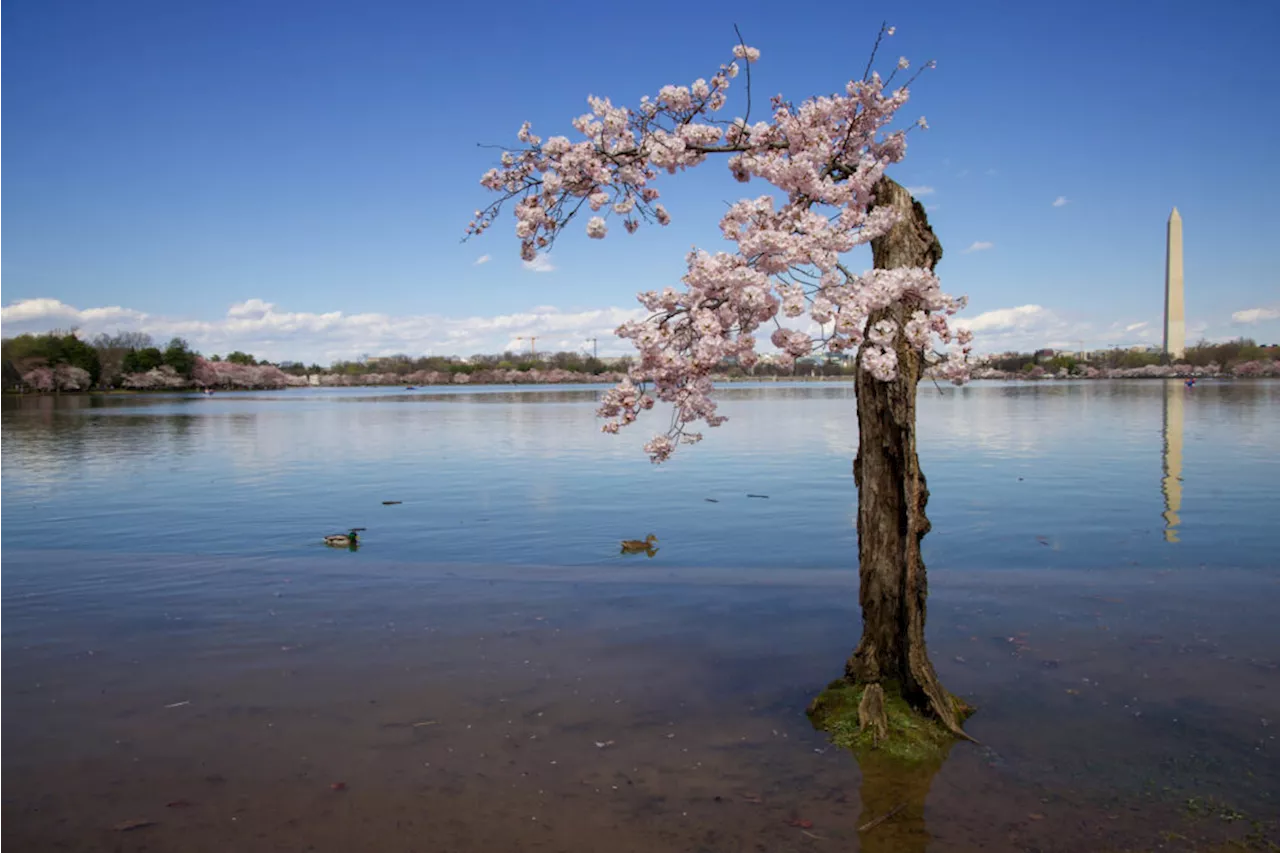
(645, 709)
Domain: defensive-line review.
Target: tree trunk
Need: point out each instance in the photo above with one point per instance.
(891, 504)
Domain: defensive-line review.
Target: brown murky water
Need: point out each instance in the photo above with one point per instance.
(433, 708)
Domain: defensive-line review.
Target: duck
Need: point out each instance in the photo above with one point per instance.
(637, 546)
(350, 539)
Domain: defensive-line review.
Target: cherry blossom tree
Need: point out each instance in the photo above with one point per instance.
(62, 377)
(824, 163)
(239, 374)
(40, 379)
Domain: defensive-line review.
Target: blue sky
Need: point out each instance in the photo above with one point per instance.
(295, 178)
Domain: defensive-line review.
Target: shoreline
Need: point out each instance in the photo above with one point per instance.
(124, 392)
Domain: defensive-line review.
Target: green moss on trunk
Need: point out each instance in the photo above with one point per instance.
(912, 737)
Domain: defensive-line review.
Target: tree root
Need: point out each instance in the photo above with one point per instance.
(949, 710)
(871, 714)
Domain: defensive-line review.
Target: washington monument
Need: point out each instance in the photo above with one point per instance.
(1175, 318)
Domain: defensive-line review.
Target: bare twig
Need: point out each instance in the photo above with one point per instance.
(872, 824)
(866, 73)
(747, 70)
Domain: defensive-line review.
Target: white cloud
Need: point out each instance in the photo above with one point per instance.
(979, 246)
(1000, 319)
(963, 173)
(1255, 315)
(266, 330)
(921, 191)
(1125, 334)
(992, 172)
(1061, 201)
(1024, 328)
(540, 263)
(483, 259)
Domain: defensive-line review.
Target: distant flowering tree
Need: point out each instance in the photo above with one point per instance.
(40, 379)
(1257, 368)
(824, 161)
(163, 378)
(239, 374)
(71, 378)
(63, 377)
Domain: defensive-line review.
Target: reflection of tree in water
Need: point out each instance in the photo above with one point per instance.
(807, 391)
(893, 798)
(532, 395)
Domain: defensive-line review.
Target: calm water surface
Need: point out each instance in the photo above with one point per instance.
(487, 673)
(1094, 474)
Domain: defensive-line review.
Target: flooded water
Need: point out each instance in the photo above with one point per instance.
(487, 673)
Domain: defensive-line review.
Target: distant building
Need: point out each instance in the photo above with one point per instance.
(1175, 325)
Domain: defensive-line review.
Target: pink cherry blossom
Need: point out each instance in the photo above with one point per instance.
(820, 160)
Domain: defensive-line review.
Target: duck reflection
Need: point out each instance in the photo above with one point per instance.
(1171, 483)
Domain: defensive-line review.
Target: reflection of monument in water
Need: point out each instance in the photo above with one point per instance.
(1171, 482)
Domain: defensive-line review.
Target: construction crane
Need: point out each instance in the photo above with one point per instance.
(594, 353)
(533, 340)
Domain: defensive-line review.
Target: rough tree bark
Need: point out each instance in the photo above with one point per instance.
(891, 506)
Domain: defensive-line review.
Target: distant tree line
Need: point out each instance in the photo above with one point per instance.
(1202, 354)
(57, 361)
(61, 361)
